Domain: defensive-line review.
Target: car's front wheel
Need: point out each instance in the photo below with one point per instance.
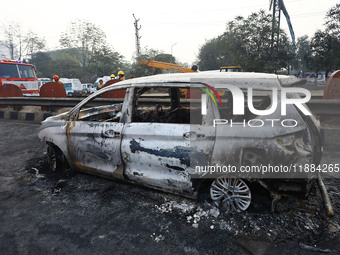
(230, 194)
(55, 158)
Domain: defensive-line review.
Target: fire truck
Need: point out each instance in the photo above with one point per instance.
(20, 74)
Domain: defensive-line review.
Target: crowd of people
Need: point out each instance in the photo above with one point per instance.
(119, 77)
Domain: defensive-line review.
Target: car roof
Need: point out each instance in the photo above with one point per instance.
(239, 79)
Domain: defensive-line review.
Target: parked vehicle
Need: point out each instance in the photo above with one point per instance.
(20, 74)
(73, 86)
(88, 89)
(154, 137)
(42, 81)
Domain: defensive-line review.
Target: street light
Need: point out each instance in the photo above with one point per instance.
(171, 48)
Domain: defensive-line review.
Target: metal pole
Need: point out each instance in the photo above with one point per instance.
(171, 48)
(273, 23)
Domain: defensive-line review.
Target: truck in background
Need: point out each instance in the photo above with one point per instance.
(73, 86)
(20, 74)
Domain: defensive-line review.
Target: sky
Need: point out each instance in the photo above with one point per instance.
(178, 27)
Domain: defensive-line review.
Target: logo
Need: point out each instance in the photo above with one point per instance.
(239, 100)
(204, 98)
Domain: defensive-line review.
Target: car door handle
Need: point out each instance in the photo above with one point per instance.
(192, 135)
(111, 133)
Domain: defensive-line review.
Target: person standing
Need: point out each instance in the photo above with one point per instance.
(56, 79)
(100, 85)
(121, 76)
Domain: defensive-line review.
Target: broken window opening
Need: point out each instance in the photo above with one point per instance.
(165, 105)
(103, 113)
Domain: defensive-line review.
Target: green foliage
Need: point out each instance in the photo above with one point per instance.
(67, 66)
(85, 39)
(142, 70)
(326, 51)
(326, 43)
(105, 61)
(247, 42)
(56, 62)
(43, 63)
(333, 21)
(163, 57)
(303, 58)
(213, 54)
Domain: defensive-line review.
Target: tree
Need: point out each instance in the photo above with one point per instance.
(20, 44)
(333, 21)
(326, 43)
(58, 62)
(247, 42)
(326, 52)
(66, 65)
(167, 58)
(34, 44)
(85, 39)
(10, 42)
(212, 54)
(303, 58)
(105, 61)
(43, 63)
(142, 70)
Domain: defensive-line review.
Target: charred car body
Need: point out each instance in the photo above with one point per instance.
(156, 137)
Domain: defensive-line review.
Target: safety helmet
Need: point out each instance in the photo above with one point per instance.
(120, 73)
(113, 76)
(56, 77)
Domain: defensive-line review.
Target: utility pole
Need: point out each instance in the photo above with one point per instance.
(172, 47)
(137, 28)
(275, 22)
(278, 6)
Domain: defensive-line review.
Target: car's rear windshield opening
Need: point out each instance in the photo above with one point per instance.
(262, 100)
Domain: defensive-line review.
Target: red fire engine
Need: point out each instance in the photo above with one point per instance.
(20, 74)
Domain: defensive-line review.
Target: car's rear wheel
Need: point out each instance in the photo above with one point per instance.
(230, 194)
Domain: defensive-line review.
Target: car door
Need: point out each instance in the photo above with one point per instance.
(94, 140)
(162, 154)
(95, 147)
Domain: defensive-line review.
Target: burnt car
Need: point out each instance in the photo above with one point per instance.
(181, 132)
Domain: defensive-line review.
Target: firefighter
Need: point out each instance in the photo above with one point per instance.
(113, 77)
(121, 76)
(56, 79)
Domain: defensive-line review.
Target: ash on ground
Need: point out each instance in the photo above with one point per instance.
(66, 211)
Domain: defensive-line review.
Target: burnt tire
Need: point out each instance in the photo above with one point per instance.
(56, 160)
